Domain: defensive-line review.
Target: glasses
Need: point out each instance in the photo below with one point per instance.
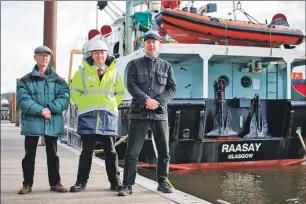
(100, 52)
(42, 55)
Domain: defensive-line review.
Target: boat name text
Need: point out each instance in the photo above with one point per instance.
(246, 147)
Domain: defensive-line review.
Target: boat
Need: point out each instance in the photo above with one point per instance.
(187, 27)
(299, 84)
(233, 107)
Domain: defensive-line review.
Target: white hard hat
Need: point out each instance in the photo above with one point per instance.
(87, 44)
(97, 45)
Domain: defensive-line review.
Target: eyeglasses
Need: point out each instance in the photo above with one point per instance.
(100, 52)
(42, 55)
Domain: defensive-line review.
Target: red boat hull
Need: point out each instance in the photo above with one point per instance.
(227, 165)
(193, 28)
(301, 88)
(192, 37)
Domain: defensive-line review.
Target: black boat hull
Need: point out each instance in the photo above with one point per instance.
(196, 116)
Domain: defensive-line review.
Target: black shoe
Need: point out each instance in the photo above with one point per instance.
(125, 190)
(77, 188)
(165, 186)
(116, 187)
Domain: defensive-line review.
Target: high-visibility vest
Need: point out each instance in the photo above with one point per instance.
(94, 97)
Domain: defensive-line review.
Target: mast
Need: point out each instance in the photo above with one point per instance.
(50, 28)
(50, 31)
(129, 27)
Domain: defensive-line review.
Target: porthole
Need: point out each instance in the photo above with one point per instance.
(225, 79)
(246, 81)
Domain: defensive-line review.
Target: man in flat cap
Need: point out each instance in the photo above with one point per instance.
(42, 96)
(151, 83)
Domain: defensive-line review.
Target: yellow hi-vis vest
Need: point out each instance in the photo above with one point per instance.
(97, 101)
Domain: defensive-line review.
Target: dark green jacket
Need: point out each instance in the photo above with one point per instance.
(35, 92)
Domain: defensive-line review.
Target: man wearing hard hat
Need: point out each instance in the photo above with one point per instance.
(96, 90)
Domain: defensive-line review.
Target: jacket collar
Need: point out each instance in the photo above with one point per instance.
(50, 73)
(152, 59)
(109, 62)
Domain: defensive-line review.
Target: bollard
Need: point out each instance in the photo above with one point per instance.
(14, 108)
(17, 115)
(42, 141)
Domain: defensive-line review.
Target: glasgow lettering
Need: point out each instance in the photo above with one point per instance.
(240, 156)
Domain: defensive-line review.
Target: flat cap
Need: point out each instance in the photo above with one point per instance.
(151, 35)
(43, 49)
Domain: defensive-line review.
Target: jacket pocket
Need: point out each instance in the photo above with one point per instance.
(162, 78)
(162, 109)
(136, 108)
(141, 78)
(55, 126)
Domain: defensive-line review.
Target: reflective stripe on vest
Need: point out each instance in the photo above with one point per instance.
(95, 108)
(117, 79)
(99, 91)
(83, 78)
(72, 88)
(119, 92)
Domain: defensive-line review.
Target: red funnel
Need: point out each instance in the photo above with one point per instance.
(279, 16)
(106, 30)
(92, 33)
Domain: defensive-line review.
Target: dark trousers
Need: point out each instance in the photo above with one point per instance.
(138, 130)
(28, 162)
(111, 158)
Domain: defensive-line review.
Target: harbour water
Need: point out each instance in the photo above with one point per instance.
(279, 185)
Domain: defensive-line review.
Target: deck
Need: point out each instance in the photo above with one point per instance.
(12, 152)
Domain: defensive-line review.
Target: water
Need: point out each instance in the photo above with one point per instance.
(259, 186)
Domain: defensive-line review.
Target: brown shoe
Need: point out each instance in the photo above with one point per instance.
(59, 188)
(25, 190)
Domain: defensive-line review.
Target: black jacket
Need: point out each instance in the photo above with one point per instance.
(150, 78)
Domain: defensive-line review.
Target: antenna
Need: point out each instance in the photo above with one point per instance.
(115, 12)
(110, 14)
(116, 7)
(228, 14)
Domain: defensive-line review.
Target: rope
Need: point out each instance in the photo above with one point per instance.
(226, 42)
(270, 41)
(245, 13)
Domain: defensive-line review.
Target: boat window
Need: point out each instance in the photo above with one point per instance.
(280, 22)
(246, 81)
(116, 50)
(225, 79)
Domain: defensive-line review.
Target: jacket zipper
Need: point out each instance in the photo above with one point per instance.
(45, 81)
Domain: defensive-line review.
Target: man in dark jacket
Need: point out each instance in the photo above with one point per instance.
(151, 83)
(42, 96)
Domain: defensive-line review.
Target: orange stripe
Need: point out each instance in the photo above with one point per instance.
(232, 34)
(193, 37)
(226, 165)
(228, 22)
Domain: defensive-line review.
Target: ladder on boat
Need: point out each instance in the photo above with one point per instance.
(272, 82)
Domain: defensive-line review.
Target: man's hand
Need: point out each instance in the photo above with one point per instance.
(152, 104)
(46, 113)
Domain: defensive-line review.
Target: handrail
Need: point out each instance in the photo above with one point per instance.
(121, 140)
(71, 62)
(298, 132)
